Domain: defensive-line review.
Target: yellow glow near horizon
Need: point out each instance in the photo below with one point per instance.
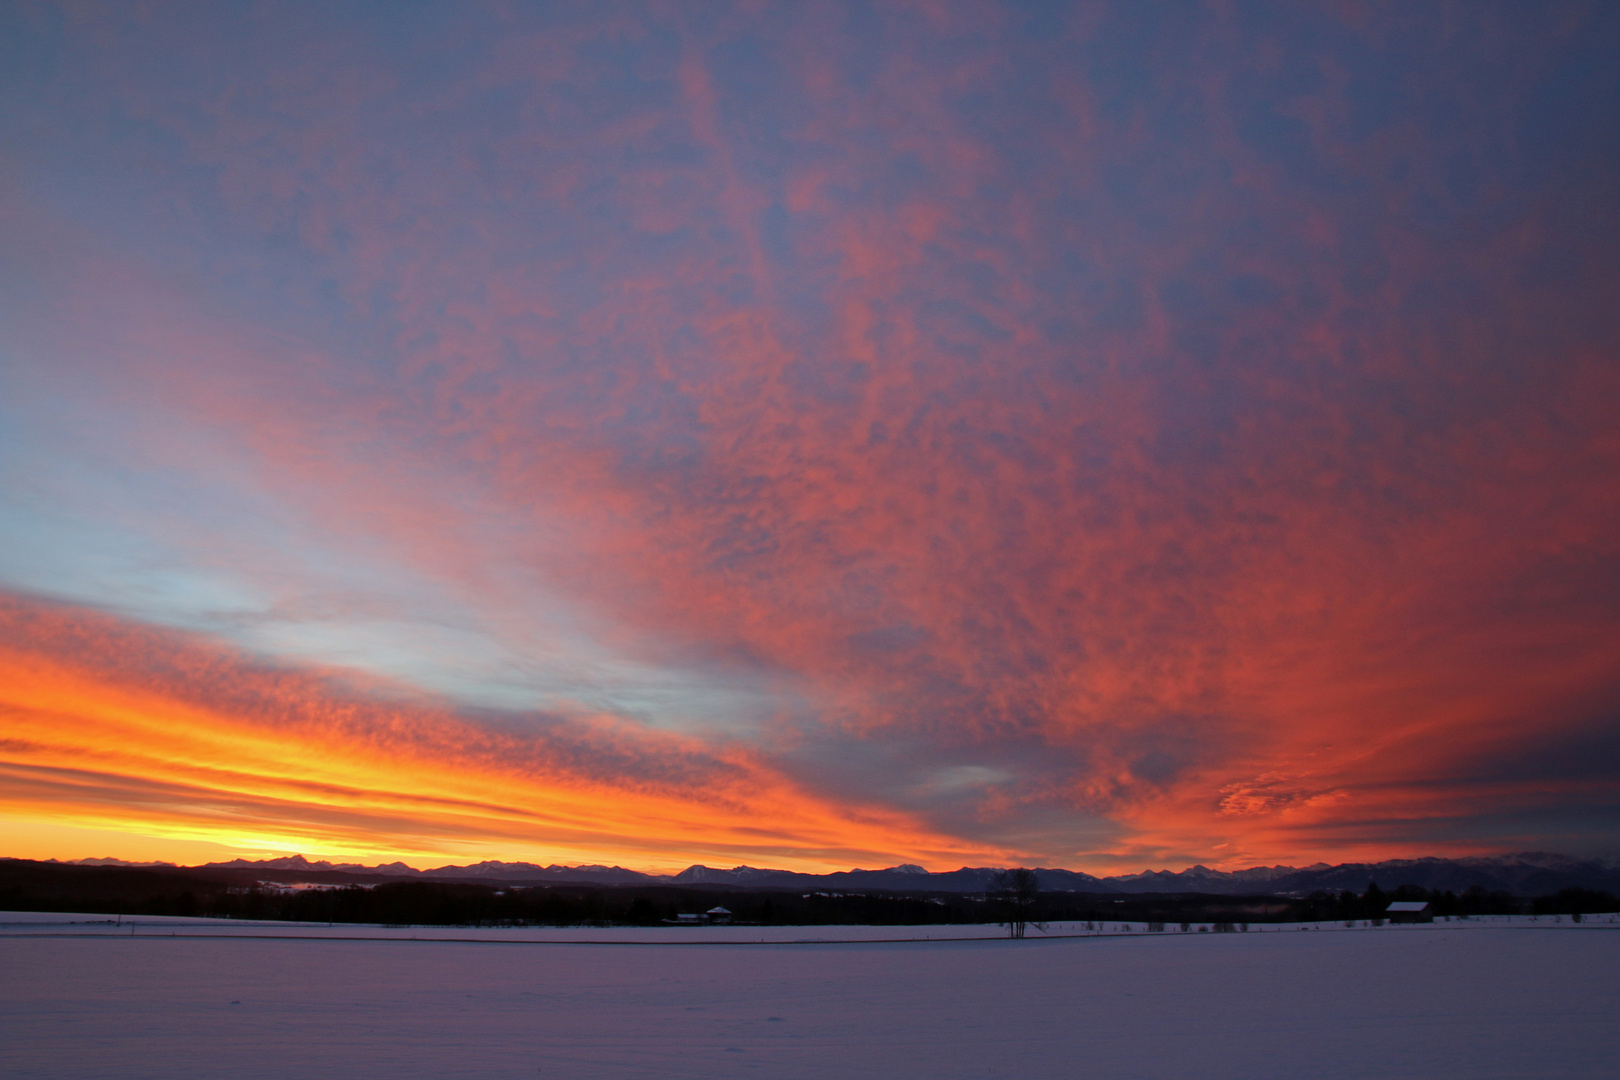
(224, 760)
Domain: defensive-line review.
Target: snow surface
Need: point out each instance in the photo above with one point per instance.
(82, 997)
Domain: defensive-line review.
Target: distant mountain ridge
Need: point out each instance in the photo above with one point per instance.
(298, 862)
(1526, 874)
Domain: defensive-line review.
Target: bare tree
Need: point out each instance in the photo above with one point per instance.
(1016, 891)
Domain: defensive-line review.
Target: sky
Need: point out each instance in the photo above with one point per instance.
(1109, 435)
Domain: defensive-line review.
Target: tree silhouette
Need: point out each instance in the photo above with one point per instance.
(1373, 900)
(1016, 891)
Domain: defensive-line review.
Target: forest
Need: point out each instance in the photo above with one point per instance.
(203, 892)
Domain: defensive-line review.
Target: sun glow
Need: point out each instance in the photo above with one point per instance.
(286, 764)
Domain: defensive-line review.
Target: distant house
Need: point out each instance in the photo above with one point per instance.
(713, 915)
(1409, 911)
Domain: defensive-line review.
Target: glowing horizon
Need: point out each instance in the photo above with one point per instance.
(1099, 436)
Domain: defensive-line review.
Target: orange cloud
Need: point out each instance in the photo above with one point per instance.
(1101, 444)
(114, 726)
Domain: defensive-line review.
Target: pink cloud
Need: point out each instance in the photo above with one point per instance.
(1160, 423)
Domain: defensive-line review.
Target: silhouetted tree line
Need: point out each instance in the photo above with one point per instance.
(1575, 902)
(471, 904)
(31, 886)
(1326, 906)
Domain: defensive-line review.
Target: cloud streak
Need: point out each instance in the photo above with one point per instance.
(110, 723)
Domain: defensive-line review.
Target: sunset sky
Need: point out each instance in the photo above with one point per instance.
(810, 435)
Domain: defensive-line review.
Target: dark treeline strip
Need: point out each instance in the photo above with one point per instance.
(1328, 906)
(33, 886)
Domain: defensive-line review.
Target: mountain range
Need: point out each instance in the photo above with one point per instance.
(1526, 874)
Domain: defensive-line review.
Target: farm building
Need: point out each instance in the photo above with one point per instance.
(712, 916)
(1404, 911)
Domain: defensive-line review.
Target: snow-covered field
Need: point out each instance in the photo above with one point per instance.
(84, 997)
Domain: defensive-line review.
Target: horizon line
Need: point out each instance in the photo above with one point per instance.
(114, 861)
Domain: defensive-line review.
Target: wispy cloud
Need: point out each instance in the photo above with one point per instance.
(1088, 435)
